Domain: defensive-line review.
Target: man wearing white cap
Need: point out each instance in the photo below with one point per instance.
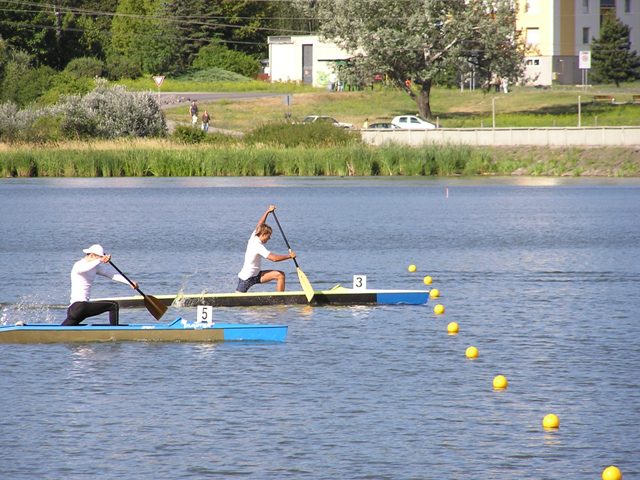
(83, 274)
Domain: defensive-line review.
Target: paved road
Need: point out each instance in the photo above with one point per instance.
(173, 99)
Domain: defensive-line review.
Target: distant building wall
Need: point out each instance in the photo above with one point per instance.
(556, 31)
(304, 59)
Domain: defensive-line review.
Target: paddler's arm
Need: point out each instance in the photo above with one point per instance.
(116, 276)
(274, 257)
(264, 216)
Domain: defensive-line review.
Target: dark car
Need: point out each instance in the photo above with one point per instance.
(325, 119)
(383, 126)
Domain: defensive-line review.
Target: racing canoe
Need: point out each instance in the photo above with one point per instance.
(177, 331)
(338, 295)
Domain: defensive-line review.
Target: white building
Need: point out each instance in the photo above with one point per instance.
(303, 58)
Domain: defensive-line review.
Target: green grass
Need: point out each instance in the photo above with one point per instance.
(522, 107)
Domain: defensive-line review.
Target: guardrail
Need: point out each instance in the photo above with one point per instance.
(551, 137)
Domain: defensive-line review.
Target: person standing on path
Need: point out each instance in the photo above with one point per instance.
(251, 273)
(193, 110)
(205, 121)
(83, 274)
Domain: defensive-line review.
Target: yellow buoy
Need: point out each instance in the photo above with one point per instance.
(434, 293)
(438, 309)
(551, 421)
(427, 280)
(452, 328)
(412, 268)
(500, 382)
(471, 352)
(611, 473)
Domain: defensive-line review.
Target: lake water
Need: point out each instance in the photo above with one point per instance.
(542, 275)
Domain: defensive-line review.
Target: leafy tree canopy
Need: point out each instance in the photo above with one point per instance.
(417, 42)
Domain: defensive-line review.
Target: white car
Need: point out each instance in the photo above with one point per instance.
(322, 118)
(412, 122)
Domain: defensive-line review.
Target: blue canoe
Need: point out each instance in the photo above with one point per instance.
(338, 295)
(177, 331)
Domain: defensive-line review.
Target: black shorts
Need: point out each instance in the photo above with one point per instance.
(245, 285)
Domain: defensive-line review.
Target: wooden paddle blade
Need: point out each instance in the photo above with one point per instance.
(306, 285)
(155, 306)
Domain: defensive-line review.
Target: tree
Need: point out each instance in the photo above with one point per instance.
(613, 60)
(415, 43)
(56, 31)
(218, 55)
(142, 35)
(243, 25)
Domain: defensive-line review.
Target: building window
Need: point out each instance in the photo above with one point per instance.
(585, 6)
(532, 61)
(585, 35)
(533, 36)
(627, 6)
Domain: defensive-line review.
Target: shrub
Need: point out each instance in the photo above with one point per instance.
(301, 135)
(24, 85)
(188, 134)
(66, 84)
(85, 67)
(213, 74)
(119, 67)
(111, 112)
(77, 121)
(217, 55)
(44, 128)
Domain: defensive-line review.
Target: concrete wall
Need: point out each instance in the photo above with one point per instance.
(552, 137)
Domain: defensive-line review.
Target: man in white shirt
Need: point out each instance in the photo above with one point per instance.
(251, 272)
(83, 274)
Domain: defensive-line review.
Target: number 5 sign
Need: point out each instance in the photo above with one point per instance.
(204, 314)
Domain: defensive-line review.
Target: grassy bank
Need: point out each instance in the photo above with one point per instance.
(167, 159)
(522, 107)
(264, 150)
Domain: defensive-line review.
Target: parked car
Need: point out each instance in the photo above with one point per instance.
(383, 126)
(412, 122)
(322, 118)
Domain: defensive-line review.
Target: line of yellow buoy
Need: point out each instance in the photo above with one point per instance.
(500, 382)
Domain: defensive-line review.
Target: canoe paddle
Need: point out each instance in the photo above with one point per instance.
(304, 281)
(155, 306)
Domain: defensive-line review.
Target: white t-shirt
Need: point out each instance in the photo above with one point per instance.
(84, 273)
(256, 251)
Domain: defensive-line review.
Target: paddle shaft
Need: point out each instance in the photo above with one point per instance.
(285, 237)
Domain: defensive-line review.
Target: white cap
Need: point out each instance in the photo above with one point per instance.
(96, 249)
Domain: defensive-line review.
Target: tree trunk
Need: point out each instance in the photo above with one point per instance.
(422, 100)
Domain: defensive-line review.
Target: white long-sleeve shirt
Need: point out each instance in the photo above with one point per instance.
(256, 251)
(84, 273)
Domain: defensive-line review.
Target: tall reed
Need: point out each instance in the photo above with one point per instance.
(173, 160)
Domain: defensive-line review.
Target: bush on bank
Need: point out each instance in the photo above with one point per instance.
(105, 112)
